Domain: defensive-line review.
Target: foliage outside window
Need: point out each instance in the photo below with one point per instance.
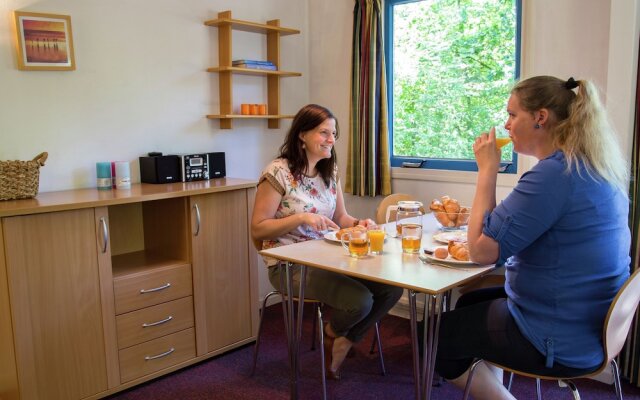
(452, 64)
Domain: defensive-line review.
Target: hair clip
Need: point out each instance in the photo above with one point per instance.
(571, 83)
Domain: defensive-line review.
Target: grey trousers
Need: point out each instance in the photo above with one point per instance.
(356, 304)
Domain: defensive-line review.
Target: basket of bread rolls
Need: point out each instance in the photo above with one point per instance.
(449, 213)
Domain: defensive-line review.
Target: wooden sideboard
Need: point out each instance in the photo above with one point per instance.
(103, 290)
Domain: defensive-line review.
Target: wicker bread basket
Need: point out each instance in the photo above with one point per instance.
(20, 179)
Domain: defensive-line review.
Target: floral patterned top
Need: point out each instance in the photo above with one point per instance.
(308, 195)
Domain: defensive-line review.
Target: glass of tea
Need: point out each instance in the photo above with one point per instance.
(356, 243)
(411, 238)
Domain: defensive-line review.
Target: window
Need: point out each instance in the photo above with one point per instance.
(450, 66)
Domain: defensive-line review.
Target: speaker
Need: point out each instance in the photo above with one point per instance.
(160, 169)
(217, 166)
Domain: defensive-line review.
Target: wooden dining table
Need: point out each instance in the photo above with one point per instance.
(414, 272)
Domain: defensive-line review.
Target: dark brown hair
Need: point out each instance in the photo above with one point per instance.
(308, 118)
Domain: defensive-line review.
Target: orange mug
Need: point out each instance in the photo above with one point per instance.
(254, 109)
(244, 109)
(262, 109)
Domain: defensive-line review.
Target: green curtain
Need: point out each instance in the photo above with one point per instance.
(368, 166)
(629, 358)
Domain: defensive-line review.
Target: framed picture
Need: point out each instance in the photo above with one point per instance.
(44, 42)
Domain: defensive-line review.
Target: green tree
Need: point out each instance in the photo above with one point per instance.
(454, 63)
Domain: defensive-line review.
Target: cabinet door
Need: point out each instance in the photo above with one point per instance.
(52, 271)
(221, 270)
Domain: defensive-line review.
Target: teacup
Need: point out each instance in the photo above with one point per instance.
(356, 242)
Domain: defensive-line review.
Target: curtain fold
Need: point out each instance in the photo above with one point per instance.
(629, 358)
(368, 165)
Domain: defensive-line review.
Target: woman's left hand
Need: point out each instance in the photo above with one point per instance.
(368, 223)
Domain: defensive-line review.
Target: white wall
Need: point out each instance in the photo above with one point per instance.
(141, 86)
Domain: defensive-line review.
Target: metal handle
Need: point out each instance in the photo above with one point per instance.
(165, 286)
(166, 353)
(162, 321)
(195, 206)
(105, 234)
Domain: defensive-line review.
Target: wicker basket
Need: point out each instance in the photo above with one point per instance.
(20, 179)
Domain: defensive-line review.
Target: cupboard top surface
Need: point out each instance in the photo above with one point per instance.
(91, 197)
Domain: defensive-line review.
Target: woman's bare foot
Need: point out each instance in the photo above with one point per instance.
(341, 346)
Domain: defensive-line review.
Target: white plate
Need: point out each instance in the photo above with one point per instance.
(449, 260)
(331, 236)
(445, 236)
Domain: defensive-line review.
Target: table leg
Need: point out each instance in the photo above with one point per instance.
(432, 313)
(417, 377)
(293, 327)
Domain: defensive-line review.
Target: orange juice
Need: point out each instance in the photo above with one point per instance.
(502, 141)
(376, 241)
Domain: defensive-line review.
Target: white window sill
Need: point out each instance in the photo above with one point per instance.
(439, 175)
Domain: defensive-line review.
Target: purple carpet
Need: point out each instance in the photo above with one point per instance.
(227, 376)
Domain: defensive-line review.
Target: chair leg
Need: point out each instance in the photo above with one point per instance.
(538, 389)
(467, 387)
(510, 381)
(313, 330)
(383, 371)
(616, 379)
(572, 386)
(321, 336)
(257, 345)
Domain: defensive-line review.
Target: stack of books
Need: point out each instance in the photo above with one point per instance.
(254, 64)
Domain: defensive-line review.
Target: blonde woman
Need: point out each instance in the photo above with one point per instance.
(562, 234)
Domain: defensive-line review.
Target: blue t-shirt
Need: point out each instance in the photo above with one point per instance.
(565, 238)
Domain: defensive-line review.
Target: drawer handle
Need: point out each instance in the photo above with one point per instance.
(167, 285)
(162, 321)
(166, 353)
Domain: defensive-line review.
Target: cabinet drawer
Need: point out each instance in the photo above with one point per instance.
(152, 356)
(148, 288)
(152, 322)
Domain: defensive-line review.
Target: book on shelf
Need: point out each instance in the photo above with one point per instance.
(256, 66)
(256, 62)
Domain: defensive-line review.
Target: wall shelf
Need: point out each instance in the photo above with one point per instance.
(272, 29)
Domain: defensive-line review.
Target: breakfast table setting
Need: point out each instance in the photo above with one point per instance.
(423, 269)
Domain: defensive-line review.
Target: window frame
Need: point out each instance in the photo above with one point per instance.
(437, 163)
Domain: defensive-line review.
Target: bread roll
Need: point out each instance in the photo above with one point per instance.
(441, 253)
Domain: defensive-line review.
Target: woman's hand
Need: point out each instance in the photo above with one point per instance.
(486, 152)
(368, 223)
(318, 222)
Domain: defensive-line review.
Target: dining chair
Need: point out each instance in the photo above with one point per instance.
(614, 334)
(318, 325)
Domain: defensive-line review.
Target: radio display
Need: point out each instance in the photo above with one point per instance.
(195, 162)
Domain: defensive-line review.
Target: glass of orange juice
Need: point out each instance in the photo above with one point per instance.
(376, 241)
(502, 137)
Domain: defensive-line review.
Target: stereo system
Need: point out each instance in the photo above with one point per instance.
(158, 168)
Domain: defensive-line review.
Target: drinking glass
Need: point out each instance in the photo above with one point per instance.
(358, 244)
(411, 238)
(376, 240)
(502, 137)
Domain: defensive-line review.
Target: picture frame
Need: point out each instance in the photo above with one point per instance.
(44, 42)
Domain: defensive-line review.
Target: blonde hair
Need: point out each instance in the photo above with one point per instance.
(578, 124)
